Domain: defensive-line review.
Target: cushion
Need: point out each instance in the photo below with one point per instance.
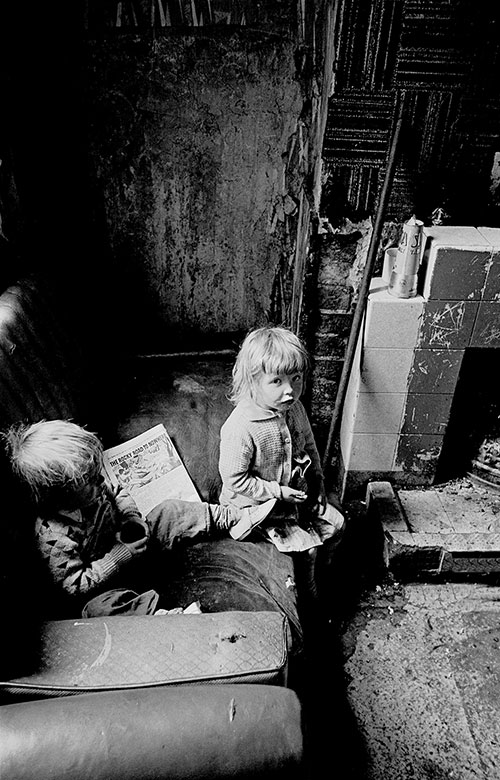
(185, 732)
(227, 575)
(121, 652)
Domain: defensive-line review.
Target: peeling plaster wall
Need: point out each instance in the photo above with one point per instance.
(189, 140)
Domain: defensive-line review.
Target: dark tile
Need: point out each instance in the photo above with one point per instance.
(447, 324)
(456, 274)
(492, 287)
(435, 370)
(486, 331)
(418, 454)
(427, 413)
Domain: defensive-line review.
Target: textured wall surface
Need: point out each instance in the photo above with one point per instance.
(190, 139)
(446, 58)
(203, 132)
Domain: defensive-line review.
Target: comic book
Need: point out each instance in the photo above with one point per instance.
(149, 467)
(289, 537)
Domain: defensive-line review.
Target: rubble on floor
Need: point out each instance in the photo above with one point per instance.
(420, 659)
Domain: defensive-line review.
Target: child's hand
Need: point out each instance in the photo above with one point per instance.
(136, 548)
(292, 496)
(135, 545)
(132, 530)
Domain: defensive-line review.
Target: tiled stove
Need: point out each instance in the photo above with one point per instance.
(409, 356)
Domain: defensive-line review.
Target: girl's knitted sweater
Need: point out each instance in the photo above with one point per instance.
(258, 448)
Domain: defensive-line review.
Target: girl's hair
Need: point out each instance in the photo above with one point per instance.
(54, 459)
(270, 350)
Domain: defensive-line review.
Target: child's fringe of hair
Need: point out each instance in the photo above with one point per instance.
(270, 349)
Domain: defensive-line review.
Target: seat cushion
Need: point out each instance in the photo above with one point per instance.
(122, 652)
(224, 574)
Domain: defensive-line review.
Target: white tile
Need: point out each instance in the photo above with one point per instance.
(379, 412)
(372, 452)
(492, 236)
(349, 407)
(385, 370)
(391, 322)
(345, 438)
(455, 236)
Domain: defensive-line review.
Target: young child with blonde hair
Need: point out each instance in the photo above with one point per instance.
(87, 533)
(268, 454)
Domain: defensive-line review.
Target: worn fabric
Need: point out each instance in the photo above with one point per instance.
(80, 547)
(225, 574)
(121, 601)
(261, 449)
(82, 553)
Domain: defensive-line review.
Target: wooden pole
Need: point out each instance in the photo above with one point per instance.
(365, 282)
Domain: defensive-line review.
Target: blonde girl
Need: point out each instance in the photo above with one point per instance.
(268, 452)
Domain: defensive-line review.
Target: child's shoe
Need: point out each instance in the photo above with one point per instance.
(250, 518)
(330, 525)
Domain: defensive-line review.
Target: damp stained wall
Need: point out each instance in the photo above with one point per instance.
(189, 137)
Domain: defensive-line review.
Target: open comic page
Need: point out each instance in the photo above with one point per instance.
(289, 537)
(149, 467)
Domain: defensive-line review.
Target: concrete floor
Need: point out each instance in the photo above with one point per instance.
(418, 694)
(422, 665)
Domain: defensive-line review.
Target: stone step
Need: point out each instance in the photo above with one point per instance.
(451, 530)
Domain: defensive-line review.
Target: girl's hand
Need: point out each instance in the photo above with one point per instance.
(292, 496)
